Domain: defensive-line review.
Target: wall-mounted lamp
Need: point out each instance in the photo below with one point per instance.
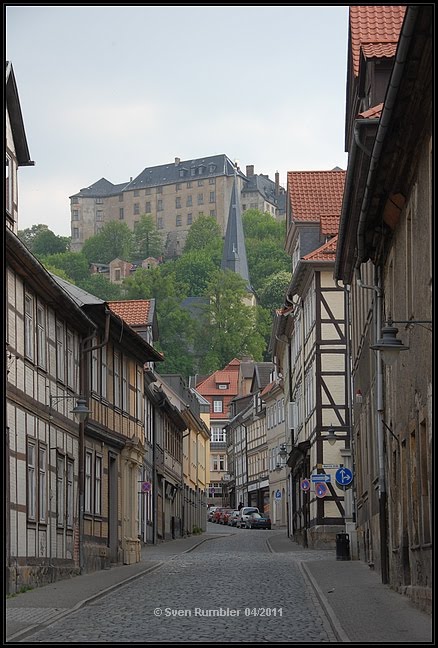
(331, 436)
(80, 410)
(388, 344)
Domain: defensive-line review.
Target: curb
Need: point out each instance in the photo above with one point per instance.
(340, 633)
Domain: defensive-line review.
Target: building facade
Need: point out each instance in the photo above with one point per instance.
(385, 256)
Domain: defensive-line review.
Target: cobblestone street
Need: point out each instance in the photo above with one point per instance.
(230, 588)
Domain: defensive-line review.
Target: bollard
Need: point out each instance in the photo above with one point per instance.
(342, 546)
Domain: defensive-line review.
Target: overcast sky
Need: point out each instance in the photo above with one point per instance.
(108, 91)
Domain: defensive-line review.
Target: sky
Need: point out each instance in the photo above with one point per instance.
(107, 91)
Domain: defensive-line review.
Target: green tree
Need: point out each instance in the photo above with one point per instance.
(272, 293)
(74, 264)
(147, 239)
(115, 240)
(41, 241)
(205, 234)
(176, 327)
(229, 327)
(59, 272)
(193, 270)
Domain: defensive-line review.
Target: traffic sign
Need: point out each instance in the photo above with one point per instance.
(344, 476)
(278, 494)
(146, 487)
(330, 466)
(321, 478)
(305, 485)
(321, 489)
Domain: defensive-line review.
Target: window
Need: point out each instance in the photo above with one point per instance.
(213, 213)
(117, 274)
(221, 462)
(212, 181)
(74, 200)
(60, 366)
(120, 197)
(99, 201)
(217, 434)
(70, 495)
(200, 199)
(212, 196)
(200, 183)
(160, 224)
(147, 191)
(222, 386)
(31, 479)
(211, 168)
(121, 213)
(178, 202)
(148, 208)
(192, 171)
(296, 256)
(116, 379)
(125, 404)
(178, 220)
(136, 193)
(178, 186)
(189, 184)
(139, 395)
(159, 205)
(98, 485)
(159, 190)
(136, 209)
(87, 497)
(42, 484)
(70, 359)
(200, 213)
(28, 326)
(189, 219)
(60, 490)
(41, 337)
(75, 232)
(309, 310)
(99, 215)
(75, 215)
(189, 201)
(310, 404)
(217, 406)
(104, 372)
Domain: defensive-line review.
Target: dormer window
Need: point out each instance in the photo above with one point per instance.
(193, 171)
(222, 386)
(211, 168)
(201, 169)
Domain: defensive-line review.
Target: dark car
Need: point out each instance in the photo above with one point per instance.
(258, 521)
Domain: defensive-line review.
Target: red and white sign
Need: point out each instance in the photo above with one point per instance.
(305, 485)
(321, 489)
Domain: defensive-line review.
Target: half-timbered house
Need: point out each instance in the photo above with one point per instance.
(318, 366)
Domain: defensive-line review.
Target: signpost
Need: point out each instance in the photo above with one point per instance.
(344, 476)
(305, 485)
(321, 489)
(321, 478)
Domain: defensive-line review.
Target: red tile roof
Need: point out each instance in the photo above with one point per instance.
(329, 224)
(379, 50)
(314, 194)
(208, 386)
(374, 112)
(371, 26)
(222, 377)
(326, 252)
(134, 312)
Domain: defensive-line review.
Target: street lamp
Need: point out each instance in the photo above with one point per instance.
(80, 410)
(388, 344)
(331, 436)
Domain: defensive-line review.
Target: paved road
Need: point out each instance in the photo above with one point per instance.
(228, 589)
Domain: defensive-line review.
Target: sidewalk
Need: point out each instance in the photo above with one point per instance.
(360, 608)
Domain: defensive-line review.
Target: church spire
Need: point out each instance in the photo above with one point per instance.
(234, 254)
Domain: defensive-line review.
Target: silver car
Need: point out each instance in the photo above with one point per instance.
(244, 512)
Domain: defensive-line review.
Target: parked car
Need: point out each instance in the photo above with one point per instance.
(258, 521)
(244, 512)
(233, 517)
(217, 514)
(210, 513)
(224, 516)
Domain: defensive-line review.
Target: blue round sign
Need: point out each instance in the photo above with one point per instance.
(344, 476)
(278, 494)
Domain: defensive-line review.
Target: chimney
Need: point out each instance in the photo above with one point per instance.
(277, 183)
(249, 170)
(130, 179)
(177, 161)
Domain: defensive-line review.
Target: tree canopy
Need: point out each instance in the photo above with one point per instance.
(41, 241)
(148, 241)
(114, 241)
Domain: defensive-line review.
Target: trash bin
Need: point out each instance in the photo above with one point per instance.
(342, 546)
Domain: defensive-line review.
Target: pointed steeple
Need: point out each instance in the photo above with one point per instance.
(234, 254)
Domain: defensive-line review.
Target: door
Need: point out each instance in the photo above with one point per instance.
(113, 521)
